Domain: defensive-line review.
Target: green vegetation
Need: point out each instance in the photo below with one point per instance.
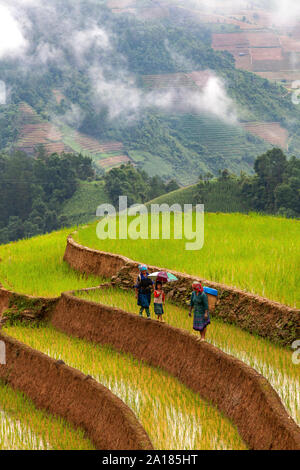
(180, 196)
(33, 191)
(36, 267)
(81, 207)
(170, 145)
(274, 188)
(24, 427)
(257, 253)
(135, 184)
(273, 362)
(173, 416)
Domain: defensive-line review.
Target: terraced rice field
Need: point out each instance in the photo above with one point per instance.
(229, 141)
(111, 162)
(36, 267)
(173, 80)
(24, 427)
(270, 131)
(178, 80)
(260, 254)
(105, 154)
(35, 132)
(173, 416)
(272, 361)
(253, 50)
(229, 40)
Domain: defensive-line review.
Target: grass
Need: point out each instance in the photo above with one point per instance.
(36, 267)
(179, 196)
(173, 416)
(82, 206)
(24, 427)
(260, 254)
(273, 362)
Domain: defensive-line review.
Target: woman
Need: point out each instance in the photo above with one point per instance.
(143, 288)
(199, 303)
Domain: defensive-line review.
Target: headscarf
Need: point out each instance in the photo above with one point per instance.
(143, 267)
(197, 286)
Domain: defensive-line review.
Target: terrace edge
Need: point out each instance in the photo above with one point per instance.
(66, 392)
(236, 389)
(277, 322)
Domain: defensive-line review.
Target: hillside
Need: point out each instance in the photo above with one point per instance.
(179, 196)
(168, 98)
(81, 207)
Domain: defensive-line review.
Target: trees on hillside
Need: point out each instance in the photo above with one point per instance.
(33, 190)
(135, 184)
(274, 189)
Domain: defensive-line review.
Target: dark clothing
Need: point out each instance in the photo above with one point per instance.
(158, 309)
(144, 285)
(200, 304)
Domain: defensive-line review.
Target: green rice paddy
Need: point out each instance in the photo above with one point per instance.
(260, 254)
(36, 267)
(272, 361)
(173, 416)
(24, 427)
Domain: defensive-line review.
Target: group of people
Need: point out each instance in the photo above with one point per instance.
(198, 303)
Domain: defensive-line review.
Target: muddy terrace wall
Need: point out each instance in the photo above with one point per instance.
(15, 306)
(65, 392)
(279, 323)
(240, 392)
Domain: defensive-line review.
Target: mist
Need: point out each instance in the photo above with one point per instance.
(90, 43)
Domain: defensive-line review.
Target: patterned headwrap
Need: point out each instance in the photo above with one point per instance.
(197, 286)
(143, 267)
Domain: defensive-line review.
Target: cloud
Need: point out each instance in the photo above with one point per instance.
(92, 37)
(90, 41)
(12, 41)
(123, 99)
(286, 13)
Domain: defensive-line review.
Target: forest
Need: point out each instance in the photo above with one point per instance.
(273, 189)
(34, 190)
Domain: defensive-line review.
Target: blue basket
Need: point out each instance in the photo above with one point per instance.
(209, 290)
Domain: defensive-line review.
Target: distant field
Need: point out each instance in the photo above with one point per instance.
(260, 254)
(106, 154)
(270, 131)
(35, 132)
(177, 80)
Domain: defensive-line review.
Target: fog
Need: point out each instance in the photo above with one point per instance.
(80, 33)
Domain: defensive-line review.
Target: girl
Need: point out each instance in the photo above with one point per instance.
(159, 301)
(201, 313)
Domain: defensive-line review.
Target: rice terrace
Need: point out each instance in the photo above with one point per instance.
(46, 278)
(171, 326)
